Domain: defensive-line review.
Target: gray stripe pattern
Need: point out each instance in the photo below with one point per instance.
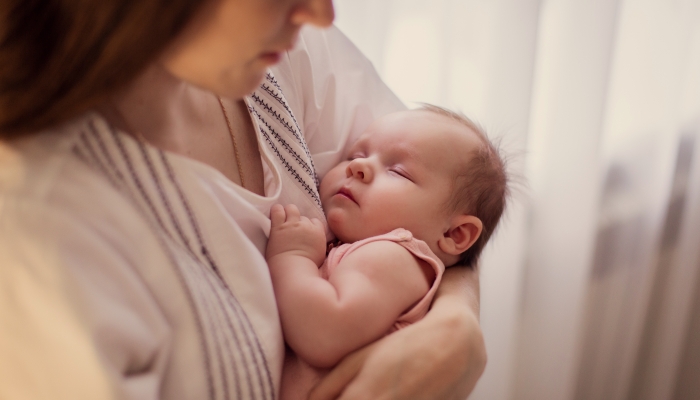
(283, 136)
(236, 367)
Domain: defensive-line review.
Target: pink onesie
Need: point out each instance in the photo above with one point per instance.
(298, 377)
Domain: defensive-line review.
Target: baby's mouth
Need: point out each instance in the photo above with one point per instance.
(346, 193)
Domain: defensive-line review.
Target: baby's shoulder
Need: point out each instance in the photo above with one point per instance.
(389, 264)
(380, 256)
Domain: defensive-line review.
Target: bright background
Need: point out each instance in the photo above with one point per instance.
(590, 289)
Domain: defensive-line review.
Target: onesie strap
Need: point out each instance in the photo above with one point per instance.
(418, 248)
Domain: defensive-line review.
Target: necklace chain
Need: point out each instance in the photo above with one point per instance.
(143, 140)
(233, 139)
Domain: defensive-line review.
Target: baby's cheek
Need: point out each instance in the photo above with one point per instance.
(340, 224)
(335, 218)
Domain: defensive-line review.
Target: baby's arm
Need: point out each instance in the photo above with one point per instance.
(324, 320)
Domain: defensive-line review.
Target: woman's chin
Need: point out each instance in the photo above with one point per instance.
(236, 84)
(253, 80)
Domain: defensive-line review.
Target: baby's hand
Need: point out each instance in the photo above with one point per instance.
(294, 234)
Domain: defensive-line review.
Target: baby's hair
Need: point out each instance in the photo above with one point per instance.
(481, 186)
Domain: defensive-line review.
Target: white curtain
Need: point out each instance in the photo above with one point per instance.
(589, 287)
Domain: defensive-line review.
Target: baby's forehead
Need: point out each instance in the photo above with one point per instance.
(426, 123)
(439, 128)
(420, 130)
(459, 126)
(437, 139)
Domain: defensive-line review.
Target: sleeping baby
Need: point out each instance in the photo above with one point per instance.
(420, 190)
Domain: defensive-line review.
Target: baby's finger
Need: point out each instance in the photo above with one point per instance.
(277, 215)
(292, 212)
(317, 223)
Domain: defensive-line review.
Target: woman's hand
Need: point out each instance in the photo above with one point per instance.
(439, 357)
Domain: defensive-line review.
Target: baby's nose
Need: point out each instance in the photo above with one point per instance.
(358, 170)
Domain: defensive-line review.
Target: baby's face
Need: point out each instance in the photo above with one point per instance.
(398, 174)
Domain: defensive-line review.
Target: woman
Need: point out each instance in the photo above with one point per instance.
(135, 185)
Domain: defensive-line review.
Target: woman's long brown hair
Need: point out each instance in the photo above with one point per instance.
(59, 58)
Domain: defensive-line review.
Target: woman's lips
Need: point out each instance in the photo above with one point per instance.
(270, 57)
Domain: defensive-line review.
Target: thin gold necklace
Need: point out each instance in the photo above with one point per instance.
(142, 139)
(233, 139)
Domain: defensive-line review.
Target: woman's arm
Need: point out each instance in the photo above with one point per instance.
(77, 321)
(440, 357)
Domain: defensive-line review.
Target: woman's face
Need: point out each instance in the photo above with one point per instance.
(229, 45)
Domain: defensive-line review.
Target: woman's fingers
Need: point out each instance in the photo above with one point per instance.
(277, 215)
(440, 357)
(333, 384)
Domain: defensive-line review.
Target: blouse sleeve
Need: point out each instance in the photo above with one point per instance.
(76, 321)
(334, 92)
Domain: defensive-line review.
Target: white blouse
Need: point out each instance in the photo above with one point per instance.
(127, 272)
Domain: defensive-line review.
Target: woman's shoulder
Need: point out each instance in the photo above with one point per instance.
(36, 165)
(78, 252)
(49, 176)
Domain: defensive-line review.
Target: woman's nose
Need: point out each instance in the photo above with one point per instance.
(360, 170)
(315, 12)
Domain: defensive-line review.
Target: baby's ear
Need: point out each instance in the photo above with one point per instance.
(464, 230)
